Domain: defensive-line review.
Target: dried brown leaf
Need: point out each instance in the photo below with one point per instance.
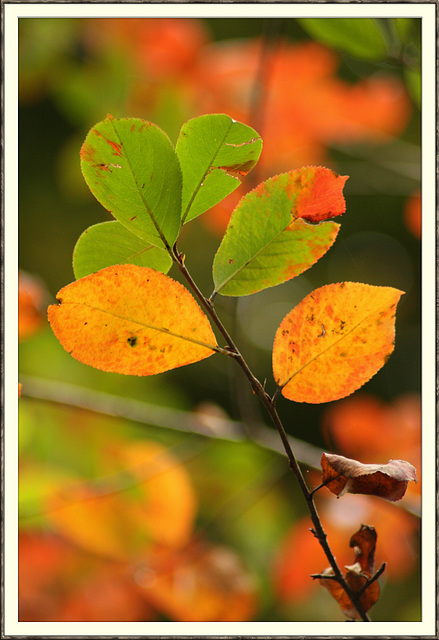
(364, 542)
(344, 475)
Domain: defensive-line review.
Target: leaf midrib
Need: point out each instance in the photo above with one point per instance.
(139, 190)
(253, 257)
(141, 324)
(204, 175)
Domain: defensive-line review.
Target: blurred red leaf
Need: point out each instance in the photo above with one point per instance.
(31, 305)
(161, 47)
(344, 475)
(59, 583)
(296, 129)
(364, 541)
(413, 214)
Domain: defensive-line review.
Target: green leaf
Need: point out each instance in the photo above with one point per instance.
(210, 148)
(359, 37)
(268, 240)
(110, 243)
(403, 26)
(131, 167)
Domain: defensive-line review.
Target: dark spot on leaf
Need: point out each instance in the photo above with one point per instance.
(133, 218)
(342, 285)
(85, 323)
(132, 341)
(231, 261)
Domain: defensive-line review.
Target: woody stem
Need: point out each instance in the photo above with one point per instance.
(269, 404)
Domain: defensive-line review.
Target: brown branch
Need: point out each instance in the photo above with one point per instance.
(269, 404)
(375, 576)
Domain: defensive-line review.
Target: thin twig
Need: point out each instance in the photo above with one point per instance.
(271, 409)
(375, 576)
(324, 576)
(147, 414)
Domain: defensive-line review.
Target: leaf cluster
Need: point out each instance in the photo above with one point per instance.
(125, 315)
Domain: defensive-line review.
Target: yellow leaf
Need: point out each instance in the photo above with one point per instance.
(132, 320)
(334, 341)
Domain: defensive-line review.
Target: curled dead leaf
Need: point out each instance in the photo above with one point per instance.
(357, 575)
(344, 475)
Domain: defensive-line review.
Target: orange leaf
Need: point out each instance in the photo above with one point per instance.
(131, 320)
(357, 575)
(387, 481)
(334, 341)
(144, 497)
(321, 194)
(199, 583)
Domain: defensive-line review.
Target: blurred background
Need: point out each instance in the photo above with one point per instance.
(128, 510)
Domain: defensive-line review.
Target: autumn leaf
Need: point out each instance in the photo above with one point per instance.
(213, 151)
(132, 320)
(334, 341)
(343, 475)
(143, 496)
(132, 169)
(110, 243)
(357, 575)
(269, 240)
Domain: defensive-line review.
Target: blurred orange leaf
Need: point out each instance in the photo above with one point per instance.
(199, 583)
(343, 475)
(334, 341)
(132, 320)
(144, 497)
(356, 575)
